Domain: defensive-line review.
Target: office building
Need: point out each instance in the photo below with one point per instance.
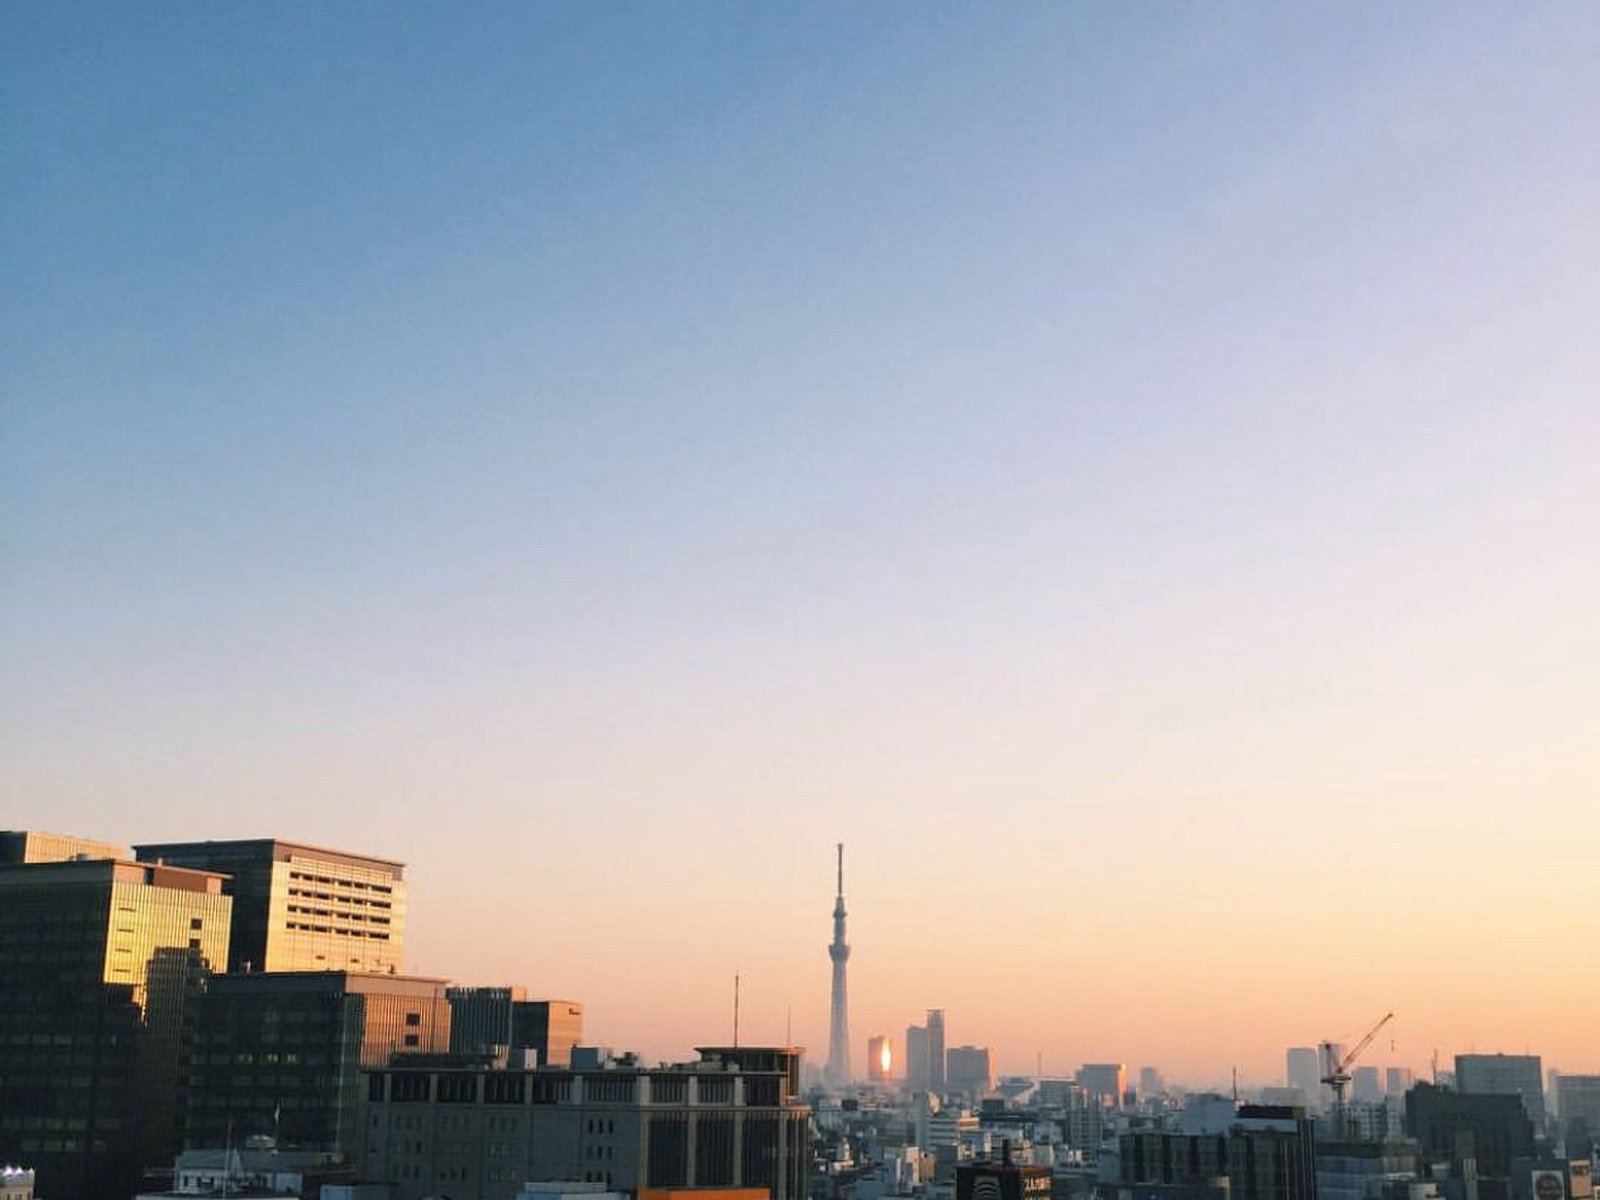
(16, 1183)
(1451, 1126)
(1267, 1153)
(301, 908)
(19, 846)
(102, 961)
(880, 1058)
(1151, 1084)
(1366, 1085)
(1106, 1082)
(918, 1076)
(1578, 1101)
(1505, 1075)
(731, 1120)
(279, 1055)
(969, 1070)
(1397, 1082)
(935, 1027)
(1303, 1072)
(504, 1026)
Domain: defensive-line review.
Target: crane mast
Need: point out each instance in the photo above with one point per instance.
(1336, 1071)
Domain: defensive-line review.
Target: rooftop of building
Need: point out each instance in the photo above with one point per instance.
(274, 849)
(110, 870)
(334, 982)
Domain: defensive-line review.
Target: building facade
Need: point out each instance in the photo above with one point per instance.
(502, 1024)
(731, 1120)
(18, 846)
(969, 1070)
(1268, 1153)
(880, 1058)
(302, 908)
(102, 962)
(280, 1055)
(1578, 1101)
(1505, 1075)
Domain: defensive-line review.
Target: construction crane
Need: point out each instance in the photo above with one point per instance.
(1336, 1070)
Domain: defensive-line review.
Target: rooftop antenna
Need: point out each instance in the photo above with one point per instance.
(735, 1010)
(1236, 1085)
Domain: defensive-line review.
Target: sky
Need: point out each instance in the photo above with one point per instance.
(1127, 471)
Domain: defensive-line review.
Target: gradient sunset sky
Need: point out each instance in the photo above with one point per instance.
(1130, 471)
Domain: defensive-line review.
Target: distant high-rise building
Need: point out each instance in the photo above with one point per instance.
(301, 908)
(838, 1072)
(1504, 1075)
(935, 1027)
(1303, 1072)
(1397, 1082)
(1366, 1086)
(1106, 1082)
(280, 1054)
(1150, 1082)
(1578, 1101)
(969, 1070)
(917, 1058)
(880, 1058)
(101, 963)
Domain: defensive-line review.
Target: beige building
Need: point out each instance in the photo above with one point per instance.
(731, 1120)
(302, 908)
(31, 846)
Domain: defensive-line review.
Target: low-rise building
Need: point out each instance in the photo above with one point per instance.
(731, 1120)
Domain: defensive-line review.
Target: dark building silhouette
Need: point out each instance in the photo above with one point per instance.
(1451, 1127)
(281, 1054)
(1267, 1154)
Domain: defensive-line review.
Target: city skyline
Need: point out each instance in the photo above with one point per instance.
(1127, 471)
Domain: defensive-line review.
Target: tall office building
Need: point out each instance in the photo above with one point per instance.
(280, 1054)
(1578, 1101)
(880, 1058)
(101, 961)
(917, 1058)
(1106, 1082)
(969, 1070)
(1504, 1075)
(1303, 1072)
(935, 1028)
(301, 908)
(838, 1072)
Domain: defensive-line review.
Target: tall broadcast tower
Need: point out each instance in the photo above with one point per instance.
(837, 1072)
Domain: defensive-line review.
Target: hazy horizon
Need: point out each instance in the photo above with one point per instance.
(1129, 472)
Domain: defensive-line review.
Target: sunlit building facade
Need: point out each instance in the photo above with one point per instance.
(103, 962)
(302, 908)
(880, 1059)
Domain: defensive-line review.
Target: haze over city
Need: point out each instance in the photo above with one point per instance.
(1128, 472)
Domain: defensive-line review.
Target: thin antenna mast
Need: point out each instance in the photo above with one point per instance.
(735, 1010)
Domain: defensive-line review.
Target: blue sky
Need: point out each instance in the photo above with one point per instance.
(707, 426)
